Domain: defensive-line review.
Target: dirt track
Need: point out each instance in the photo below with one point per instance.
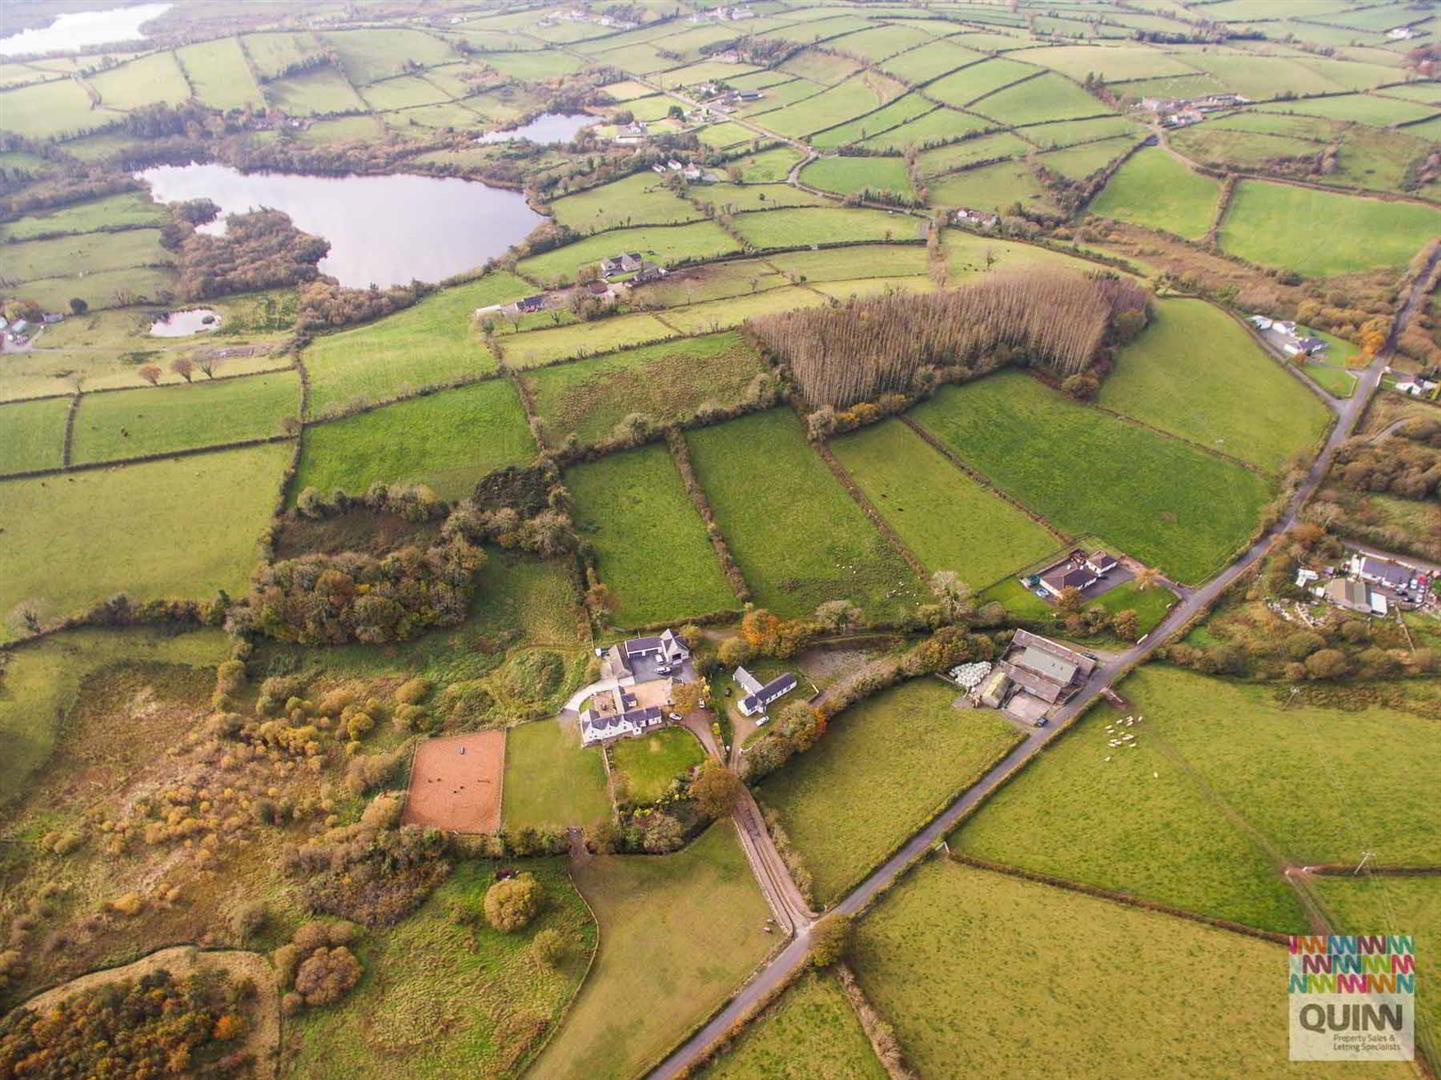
(456, 783)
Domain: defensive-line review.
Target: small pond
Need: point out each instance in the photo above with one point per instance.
(80, 29)
(383, 230)
(547, 128)
(184, 323)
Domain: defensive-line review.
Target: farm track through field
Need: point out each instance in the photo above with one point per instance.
(1196, 602)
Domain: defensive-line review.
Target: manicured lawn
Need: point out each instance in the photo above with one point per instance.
(651, 545)
(948, 520)
(535, 348)
(430, 343)
(34, 434)
(640, 199)
(799, 538)
(678, 933)
(667, 381)
(854, 175)
(664, 244)
(1274, 225)
(1071, 988)
(648, 766)
(1150, 605)
(184, 527)
(824, 225)
(1168, 504)
(160, 419)
(902, 755)
(1118, 825)
(1374, 904)
(1338, 382)
(42, 680)
(1196, 373)
(551, 781)
(1155, 190)
(448, 999)
(811, 1031)
(446, 441)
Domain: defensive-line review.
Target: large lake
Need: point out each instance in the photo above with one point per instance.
(81, 29)
(383, 230)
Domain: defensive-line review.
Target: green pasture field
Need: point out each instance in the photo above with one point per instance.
(811, 1030)
(767, 166)
(402, 92)
(843, 290)
(1196, 373)
(880, 42)
(652, 108)
(430, 343)
(797, 535)
(937, 126)
(1361, 109)
(42, 680)
(1352, 73)
(1155, 190)
(34, 434)
(536, 348)
(1273, 224)
(1064, 955)
(153, 79)
(962, 87)
(664, 244)
(1150, 605)
(738, 198)
(678, 933)
(413, 123)
(113, 211)
(710, 281)
(1036, 101)
(945, 159)
(163, 419)
(369, 55)
(87, 253)
(446, 441)
(1261, 78)
(220, 74)
(898, 112)
(1156, 498)
(902, 754)
(1225, 146)
(50, 109)
(969, 254)
(1079, 162)
(535, 65)
(647, 767)
(833, 264)
(1221, 748)
(947, 519)
(641, 198)
(667, 382)
(181, 527)
(1373, 904)
(420, 998)
(116, 287)
(927, 62)
(854, 175)
(273, 52)
(1070, 132)
(725, 134)
(1421, 91)
(320, 90)
(716, 315)
(650, 544)
(1113, 64)
(830, 107)
(779, 95)
(342, 129)
(824, 225)
(819, 67)
(991, 187)
(1176, 86)
(551, 781)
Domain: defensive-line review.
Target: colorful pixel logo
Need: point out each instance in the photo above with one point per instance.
(1352, 997)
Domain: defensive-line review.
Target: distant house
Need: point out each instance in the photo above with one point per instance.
(647, 273)
(1077, 571)
(749, 95)
(668, 648)
(596, 727)
(1039, 668)
(1349, 594)
(621, 264)
(638, 698)
(597, 288)
(1311, 346)
(530, 304)
(50, 318)
(762, 696)
(1261, 322)
(1383, 572)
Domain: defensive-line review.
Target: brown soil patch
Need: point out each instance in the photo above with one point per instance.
(263, 1037)
(455, 783)
(354, 530)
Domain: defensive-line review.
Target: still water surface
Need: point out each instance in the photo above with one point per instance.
(81, 29)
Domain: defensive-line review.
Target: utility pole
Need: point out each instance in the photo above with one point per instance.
(1366, 856)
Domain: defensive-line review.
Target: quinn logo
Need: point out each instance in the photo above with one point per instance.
(1352, 997)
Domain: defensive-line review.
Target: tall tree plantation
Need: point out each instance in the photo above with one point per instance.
(879, 345)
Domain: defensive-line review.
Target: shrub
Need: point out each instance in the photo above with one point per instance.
(830, 940)
(413, 691)
(549, 947)
(326, 975)
(512, 903)
(250, 919)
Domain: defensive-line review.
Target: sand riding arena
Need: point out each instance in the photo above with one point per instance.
(455, 783)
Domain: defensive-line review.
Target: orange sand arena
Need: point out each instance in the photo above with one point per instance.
(455, 783)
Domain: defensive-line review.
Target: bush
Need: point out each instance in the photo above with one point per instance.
(250, 919)
(413, 691)
(512, 903)
(830, 939)
(549, 947)
(326, 975)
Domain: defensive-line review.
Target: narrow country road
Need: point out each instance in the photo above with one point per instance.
(1195, 601)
